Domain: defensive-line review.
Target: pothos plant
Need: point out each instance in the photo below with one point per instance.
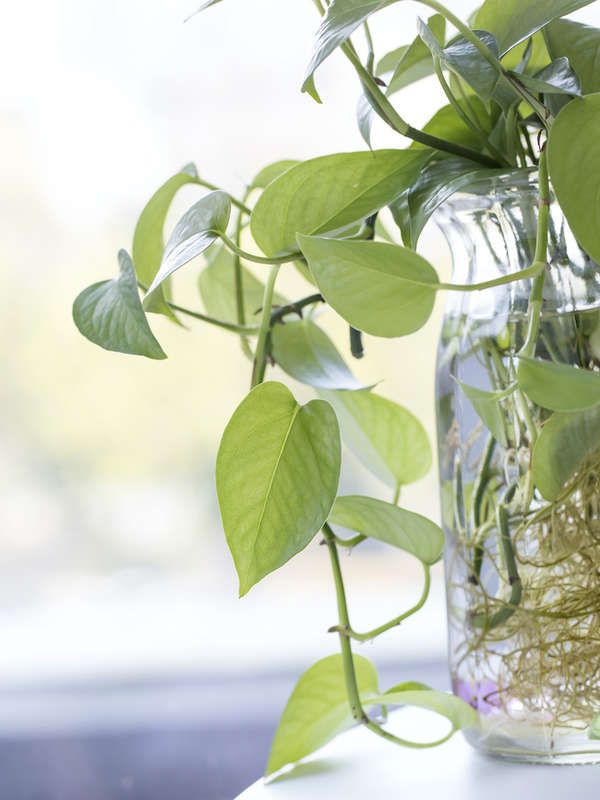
(523, 92)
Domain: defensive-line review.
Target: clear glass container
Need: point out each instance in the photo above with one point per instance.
(523, 574)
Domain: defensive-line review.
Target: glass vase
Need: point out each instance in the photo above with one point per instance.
(522, 573)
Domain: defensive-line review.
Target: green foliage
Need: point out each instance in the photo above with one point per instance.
(387, 438)
(580, 44)
(110, 314)
(513, 21)
(199, 227)
(415, 62)
(329, 193)
(318, 710)
(272, 171)
(488, 409)
(387, 523)
(558, 387)
(457, 712)
(382, 289)
(564, 444)
(147, 248)
(556, 78)
(277, 474)
(307, 354)
(574, 164)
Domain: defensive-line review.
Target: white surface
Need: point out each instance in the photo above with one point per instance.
(358, 764)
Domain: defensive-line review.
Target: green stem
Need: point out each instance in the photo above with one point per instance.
(296, 307)
(283, 259)
(237, 203)
(541, 256)
(238, 281)
(219, 323)
(260, 357)
(356, 707)
(523, 274)
(393, 623)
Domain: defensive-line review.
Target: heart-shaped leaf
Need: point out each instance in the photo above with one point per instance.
(148, 244)
(306, 353)
(277, 474)
(513, 21)
(488, 409)
(318, 709)
(216, 283)
(580, 44)
(379, 288)
(559, 387)
(594, 729)
(199, 227)
(110, 314)
(574, 164)
(387, 523)
(566, 441)
(387, 438)
(328, 193)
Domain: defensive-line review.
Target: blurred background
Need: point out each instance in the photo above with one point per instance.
(128, 665)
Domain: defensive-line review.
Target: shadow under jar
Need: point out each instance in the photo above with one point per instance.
(522, 570)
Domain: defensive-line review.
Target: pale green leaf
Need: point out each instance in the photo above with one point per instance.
(559, 387)
(194, 233)
(390, 61)
(216, 283)
(460, 714)
(148, 244)
(416, 62)
(446, 123)
(438, 181)
(268, 174)
(387, 438)
(341, 19)
(488, 409)
(328, 193)
(581, 45)
(318, 709)
(387, 523)
(533, 50)
(307, 354)
(277, 474)
(513, 21)
(379, 288)
(594, 729)
(110, 314)
(566, 442)
(574, 165)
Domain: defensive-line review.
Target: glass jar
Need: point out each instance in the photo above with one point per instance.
(523, 573)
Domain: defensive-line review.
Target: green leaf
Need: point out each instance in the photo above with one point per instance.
(379, 288)
(216, 283)
(340, 21)
(390, 61)
(460, 714)
(556, 78)
(387, 523)
(416, 62)
(488, 409)
(194, 233)
(533, 50)
(438, 181)
(594, 729)
(318, 709)
(277, 474)
(307, 354)
(559, 387)
(110, 314)
(565, 443)
(574, 165)
(148, 244)
(513, 21)
(204, 6)
(268, 174)
(581, 45)
(328, 193)
(387, 438)
(364, 117)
